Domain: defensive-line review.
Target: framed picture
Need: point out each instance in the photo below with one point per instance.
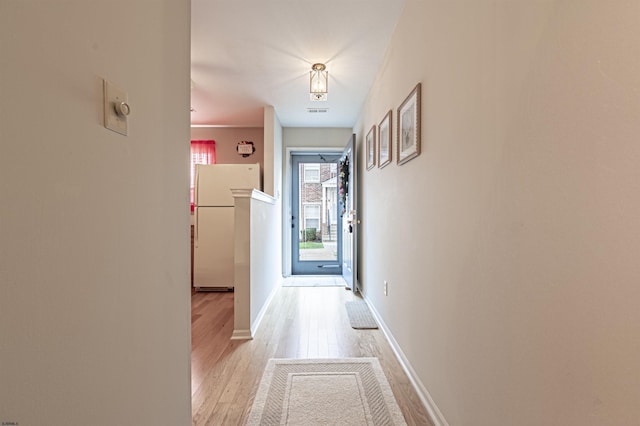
(409, 126)
(371, 148)
(384, 141)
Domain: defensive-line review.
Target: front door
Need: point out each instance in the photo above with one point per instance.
(347, 187)
(316, 240)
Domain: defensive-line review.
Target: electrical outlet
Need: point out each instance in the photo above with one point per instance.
(386, 288)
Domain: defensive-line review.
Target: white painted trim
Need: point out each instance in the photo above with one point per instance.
(241, 193)
(241, 335)
(238, 126)
(263, 196)
(260, 316)
(311, 150)
(254, 194)
(436, 415)
(286, 214)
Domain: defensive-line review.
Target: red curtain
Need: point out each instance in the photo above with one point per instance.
(202, 152)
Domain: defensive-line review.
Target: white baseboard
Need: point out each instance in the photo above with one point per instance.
(436, 416)
(242, 335)
(256, 323)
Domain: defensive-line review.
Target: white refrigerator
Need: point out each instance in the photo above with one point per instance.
(213, 243)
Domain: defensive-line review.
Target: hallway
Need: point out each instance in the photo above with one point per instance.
(302, 322)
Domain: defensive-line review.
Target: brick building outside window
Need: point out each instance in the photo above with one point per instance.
(318, 201)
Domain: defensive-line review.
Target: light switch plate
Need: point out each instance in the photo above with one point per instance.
(114, 96)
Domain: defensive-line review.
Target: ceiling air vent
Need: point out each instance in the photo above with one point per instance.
(317, 110)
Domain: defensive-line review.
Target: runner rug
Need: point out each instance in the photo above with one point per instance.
(349, 391)
(359, 314)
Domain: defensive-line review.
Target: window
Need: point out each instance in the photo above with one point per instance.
(312, 216)
(202, 152)
(311, 173)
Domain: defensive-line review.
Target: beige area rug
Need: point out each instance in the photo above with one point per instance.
(348, 391)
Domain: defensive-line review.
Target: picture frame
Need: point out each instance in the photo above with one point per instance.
(409, 113)
(384, 140)
(371, 147)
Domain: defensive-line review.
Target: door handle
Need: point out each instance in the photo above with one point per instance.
(352, 218)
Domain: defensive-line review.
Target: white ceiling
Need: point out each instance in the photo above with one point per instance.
(246, 54)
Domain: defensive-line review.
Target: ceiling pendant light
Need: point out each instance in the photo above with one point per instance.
(318, 82)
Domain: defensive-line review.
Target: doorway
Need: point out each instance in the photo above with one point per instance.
(316, 237)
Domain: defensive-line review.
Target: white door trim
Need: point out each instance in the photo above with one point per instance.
(286, 200)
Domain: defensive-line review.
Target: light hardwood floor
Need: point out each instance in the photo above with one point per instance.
(301, 322)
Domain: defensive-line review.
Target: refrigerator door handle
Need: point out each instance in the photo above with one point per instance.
(195, 222)
(196, 186)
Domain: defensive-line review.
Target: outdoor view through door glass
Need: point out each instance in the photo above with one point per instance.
(318, 212)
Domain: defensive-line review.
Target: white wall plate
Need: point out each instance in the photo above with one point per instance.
(116, 108)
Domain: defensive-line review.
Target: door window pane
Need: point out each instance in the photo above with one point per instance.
(311, 173)
(317, 189)
(312, 216)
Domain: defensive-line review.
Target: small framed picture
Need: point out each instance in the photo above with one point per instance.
(384, 141)
(409, 126)
(371, 148)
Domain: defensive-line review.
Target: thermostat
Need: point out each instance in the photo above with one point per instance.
(245, 148)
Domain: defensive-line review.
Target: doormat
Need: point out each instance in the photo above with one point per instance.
(314, 281)
(359, 314)
(348, 391)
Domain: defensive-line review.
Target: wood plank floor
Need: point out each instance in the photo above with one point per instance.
(301, 322)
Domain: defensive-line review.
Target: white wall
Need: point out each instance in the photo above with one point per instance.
(94, 237)
(510, 244)
(272, 122)
(316, 137)
(266, 276)
(266, 223)
(273, 148)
